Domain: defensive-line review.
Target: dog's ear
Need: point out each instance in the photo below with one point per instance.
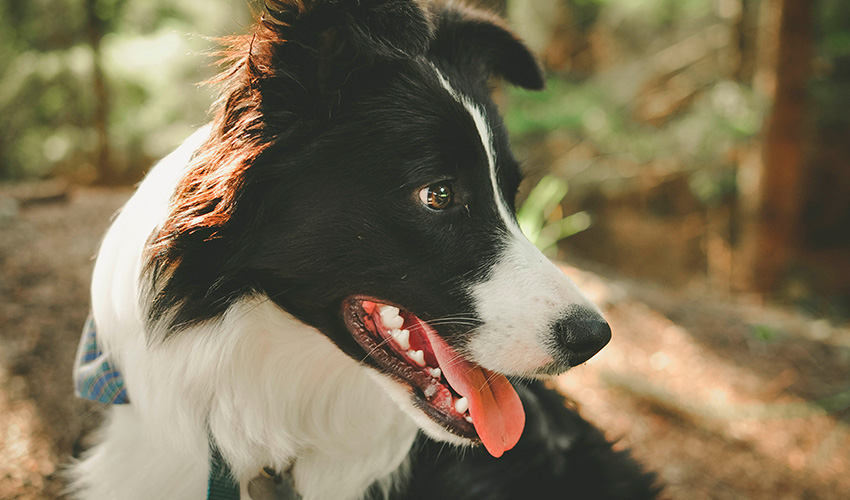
(477, 41)
(331, 38)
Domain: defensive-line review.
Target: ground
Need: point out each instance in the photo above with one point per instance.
(724, 397)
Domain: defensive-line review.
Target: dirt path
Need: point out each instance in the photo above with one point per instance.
(727, 400)
(46, 253)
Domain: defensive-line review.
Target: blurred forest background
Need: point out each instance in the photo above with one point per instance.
(696, 153)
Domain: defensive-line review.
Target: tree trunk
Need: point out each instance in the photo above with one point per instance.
(745, 36)
(770, 180)
(100, 118)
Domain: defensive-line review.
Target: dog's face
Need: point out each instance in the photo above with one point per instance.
(388, 222)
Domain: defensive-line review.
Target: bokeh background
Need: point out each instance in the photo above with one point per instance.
(688, 163)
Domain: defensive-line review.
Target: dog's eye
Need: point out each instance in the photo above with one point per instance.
(437, 196)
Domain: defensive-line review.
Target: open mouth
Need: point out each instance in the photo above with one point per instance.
(461, 396)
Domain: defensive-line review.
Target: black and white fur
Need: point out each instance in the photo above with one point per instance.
(218, 289)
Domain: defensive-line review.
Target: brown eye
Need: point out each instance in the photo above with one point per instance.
(437, 196)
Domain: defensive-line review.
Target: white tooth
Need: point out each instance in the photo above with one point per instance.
(388, 311)
(402, 337)
(461, 405)
(390, 317)
(417, 356)
(468, 418)
(435, 372)
(392, 322)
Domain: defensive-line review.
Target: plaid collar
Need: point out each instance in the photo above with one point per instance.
(95, 377)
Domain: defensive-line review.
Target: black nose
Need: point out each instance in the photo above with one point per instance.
(580, 334)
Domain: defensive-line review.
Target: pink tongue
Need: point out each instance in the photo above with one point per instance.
(494, 405)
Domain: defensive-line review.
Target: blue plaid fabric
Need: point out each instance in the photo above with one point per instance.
(94, 377)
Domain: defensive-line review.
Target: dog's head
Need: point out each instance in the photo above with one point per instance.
(359, 175)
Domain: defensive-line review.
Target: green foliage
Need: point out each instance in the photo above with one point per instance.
(42, 87)
(658, 103)
(594, 110)
(559, 106)
(764, 333)
(713, 186)
(152, 55)
(541, 219)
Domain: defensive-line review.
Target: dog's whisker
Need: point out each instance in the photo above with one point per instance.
(455, 316)
(455, 360)
(374, 350)
(453, 322)
(458, 318)
(489, 379)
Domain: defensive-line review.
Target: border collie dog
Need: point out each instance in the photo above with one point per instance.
(329, 282)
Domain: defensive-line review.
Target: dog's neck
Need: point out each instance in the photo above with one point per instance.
(310, 405)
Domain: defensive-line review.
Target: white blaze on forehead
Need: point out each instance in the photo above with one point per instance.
(486, 136)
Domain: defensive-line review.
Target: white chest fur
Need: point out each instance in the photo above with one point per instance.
(269, 390)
